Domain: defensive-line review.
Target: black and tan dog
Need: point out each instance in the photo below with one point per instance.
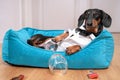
(93, 19)
(38, 39)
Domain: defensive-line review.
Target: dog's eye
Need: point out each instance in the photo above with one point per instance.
(96, 15)
(37, 43)
(40, 42)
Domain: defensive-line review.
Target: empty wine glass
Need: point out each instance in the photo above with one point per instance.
(58, 64)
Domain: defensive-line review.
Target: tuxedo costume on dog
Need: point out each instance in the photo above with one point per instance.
(93, 20)
(74, 38)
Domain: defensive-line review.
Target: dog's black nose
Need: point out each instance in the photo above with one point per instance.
(89, 24)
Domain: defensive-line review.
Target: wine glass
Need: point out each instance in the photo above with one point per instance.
(58, 64)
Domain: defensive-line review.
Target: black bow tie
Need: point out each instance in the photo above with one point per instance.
(82, 32)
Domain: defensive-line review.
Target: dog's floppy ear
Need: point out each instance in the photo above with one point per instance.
(81, 20)
(30, 42)
(106, 20)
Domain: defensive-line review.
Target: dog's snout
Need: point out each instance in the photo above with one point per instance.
(89, 24)
(89, 21)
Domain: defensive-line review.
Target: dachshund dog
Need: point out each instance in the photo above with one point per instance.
(94, 19)
(90, 25)
(38, 39)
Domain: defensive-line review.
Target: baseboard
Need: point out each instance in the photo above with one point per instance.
(115, 32)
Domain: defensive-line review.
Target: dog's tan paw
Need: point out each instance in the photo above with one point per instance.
(72, 49)
(69, 51)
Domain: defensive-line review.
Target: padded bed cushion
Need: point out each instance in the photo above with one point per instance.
(15, 50)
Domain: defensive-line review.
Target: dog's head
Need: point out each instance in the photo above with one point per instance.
(37, 39)
(94, 20)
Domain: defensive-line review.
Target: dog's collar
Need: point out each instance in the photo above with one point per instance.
(82, 31)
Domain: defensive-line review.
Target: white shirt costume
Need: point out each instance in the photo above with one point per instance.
(74, 38)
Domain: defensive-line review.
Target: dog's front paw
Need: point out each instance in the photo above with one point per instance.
(72, 49)
(61, 37)
(69, 51)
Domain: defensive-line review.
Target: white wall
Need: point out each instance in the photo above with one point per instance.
(58, 14)
(51, 14)
(9, 16)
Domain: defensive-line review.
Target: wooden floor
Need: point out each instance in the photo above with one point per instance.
(112, 73)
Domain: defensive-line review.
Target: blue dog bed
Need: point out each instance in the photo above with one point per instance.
(15, 50)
